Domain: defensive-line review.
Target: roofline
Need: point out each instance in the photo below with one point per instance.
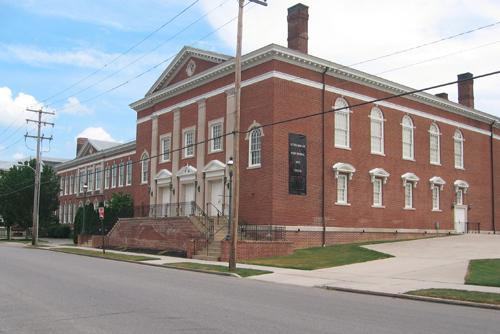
(130, 146)
(277, 52)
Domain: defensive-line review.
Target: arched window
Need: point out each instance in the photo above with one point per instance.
(434, 144)
(144, 168)
(342, 123)
(458, 139)
(407, 139)
(255, 148)
(377, 131)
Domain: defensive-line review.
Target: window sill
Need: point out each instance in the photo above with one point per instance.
(378, 153)
(343, 147)
(437, 210)
(460, 168)
(410, 159)
(409, 209)
(215, 151)
(164, 161)
(188, 157)
(378, 206)
(342, 204)
(254, 167)
(436, 163)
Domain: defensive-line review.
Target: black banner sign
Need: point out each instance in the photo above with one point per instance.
(297, 164)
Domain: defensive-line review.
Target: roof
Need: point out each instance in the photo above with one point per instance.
(100, 145)
(276, 52)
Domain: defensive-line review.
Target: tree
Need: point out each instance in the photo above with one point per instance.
(16, 195)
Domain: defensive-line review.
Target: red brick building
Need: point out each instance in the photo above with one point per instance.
(399, 167)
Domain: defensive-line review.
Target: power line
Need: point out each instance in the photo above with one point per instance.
(295, 119)
(123, 53)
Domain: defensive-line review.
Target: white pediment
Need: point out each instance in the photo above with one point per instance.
(187, 173)
(164, 176)
(343, 167)
(436, 180)
(410, 177)
(214, 168)
(461, 184)
(380, 173)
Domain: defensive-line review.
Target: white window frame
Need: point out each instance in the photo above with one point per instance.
(255, 148)
(407, 126)
(458, 139)
(98, 179)
(408, 190)
(83, 175)
(128, 173)
(114, 173)
(71, 184)
(144, 168)
(378, 198)
(213, 138)
(121, 174)
(377, 118)
(436, 206)
(434, 138)
(188, 146)
(106, 177)
(61, 186)
(459, 200)
(90, 179)
(342, 110)
(342, 186)
(165, 156)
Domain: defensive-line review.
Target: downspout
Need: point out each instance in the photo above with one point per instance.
(492, 178)
(323, 241)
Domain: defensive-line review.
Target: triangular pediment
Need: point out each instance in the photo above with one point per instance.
(188, 63)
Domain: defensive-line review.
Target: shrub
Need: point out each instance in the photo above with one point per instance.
(58, 231)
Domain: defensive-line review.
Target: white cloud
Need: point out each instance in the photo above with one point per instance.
(13, 109)
(95, 133)
(73, 106)
(18, 156)
(347, 32)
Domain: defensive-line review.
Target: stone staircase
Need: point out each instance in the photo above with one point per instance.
(213, 250)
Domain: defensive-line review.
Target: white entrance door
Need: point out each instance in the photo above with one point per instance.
(216, 197)
(165, 201)
(460, 218)
(189, 192)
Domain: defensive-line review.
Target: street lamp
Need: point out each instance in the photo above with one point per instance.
(85, 187)
(36, 203)
(230, 166)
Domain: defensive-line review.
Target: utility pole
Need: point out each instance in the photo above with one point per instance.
(36, 196)
(236, 134)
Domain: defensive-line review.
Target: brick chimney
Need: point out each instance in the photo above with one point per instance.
(442, 95)
(466, 89)
(80, 142)
(298, 17)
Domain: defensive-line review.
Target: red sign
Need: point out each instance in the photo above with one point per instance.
(101, 212)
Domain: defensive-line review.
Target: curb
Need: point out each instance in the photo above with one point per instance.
(417, 298)
(165, 266)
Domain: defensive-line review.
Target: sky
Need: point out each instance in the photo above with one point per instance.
(86, 61)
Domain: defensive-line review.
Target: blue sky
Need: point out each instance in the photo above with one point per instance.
(47, 46)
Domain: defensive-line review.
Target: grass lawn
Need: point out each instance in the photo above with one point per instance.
(323, 257)
(108, 255)
(484, 272)
(470, 296)
(243, 272)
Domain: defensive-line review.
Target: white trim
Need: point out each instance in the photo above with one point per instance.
(307, 228)
(380, 173)
(210, 124)
(345, 168)
(163, 177)
(438, 181)
(319, 86)
(410, 177)
(214, 169)
(94, 162)
(187, 174)
(162, 137)
(184, 146)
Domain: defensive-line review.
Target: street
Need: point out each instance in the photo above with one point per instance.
(49, 292)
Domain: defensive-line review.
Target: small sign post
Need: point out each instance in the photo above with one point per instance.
(101, 217)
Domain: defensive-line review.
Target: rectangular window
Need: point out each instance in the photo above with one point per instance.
(435, 198)
(113, 176)
(90, 179)
(377, 137)
(407, 143)
(98, 178)
(121, 174)
(377, 192)
(215, 136)
(459, 163)
(342, 189)
(408, 195)
(106, 177)
(434, 149)
(342, 129)
(188, 143)
(61, 186)
(83, 179)
(128, 180)
(460, 197)
(165, 148)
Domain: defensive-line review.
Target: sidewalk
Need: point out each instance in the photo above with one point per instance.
(418, 264)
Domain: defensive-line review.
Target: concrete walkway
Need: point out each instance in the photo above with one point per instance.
(418, 264)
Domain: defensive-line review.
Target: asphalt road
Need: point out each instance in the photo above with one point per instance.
(48, 292)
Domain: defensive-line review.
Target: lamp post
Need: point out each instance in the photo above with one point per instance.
(36, 202)
(230, 165)
(85, 187)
